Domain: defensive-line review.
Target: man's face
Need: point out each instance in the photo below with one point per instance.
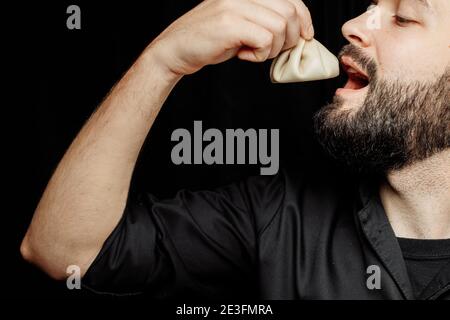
(394, 109)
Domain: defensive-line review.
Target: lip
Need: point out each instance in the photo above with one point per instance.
(351, 92)
(347, 63)
(354, 72)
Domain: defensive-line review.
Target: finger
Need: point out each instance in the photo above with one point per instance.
(269, 19)
(289, 12)
(255, 41)
(306, 25)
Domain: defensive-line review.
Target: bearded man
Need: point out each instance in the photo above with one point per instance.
(384, 235)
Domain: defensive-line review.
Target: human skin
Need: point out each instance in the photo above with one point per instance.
(86, 196)
(412, 44)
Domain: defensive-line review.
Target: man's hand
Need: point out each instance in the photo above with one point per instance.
(217, 30)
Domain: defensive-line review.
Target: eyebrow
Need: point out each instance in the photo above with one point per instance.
(424, 3)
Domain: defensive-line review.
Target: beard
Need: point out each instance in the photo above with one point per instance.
(398, 124)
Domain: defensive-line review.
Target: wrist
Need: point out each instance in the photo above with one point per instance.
(158, 63)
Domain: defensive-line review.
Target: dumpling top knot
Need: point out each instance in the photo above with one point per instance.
(307, 61)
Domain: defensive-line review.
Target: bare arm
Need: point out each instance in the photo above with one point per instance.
(86, 195)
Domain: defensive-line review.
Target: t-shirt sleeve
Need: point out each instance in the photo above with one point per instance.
(198, 244)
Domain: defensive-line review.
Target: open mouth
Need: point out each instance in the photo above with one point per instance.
(357, 78)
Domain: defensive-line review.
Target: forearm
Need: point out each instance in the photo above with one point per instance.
(87, 193)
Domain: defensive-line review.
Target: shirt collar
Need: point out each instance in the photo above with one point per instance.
(380, 234)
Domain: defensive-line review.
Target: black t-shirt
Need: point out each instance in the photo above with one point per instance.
(289, 236)
(424, 259)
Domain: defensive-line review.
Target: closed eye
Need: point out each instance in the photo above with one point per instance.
(402, 22)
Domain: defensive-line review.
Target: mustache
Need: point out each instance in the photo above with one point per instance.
(367, 63)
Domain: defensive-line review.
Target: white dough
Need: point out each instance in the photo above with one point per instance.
(307, 61)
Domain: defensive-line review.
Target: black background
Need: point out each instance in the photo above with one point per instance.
(64, 74)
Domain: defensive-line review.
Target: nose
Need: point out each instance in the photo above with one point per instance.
(357, 32)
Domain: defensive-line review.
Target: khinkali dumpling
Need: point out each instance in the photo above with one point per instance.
(307, 61)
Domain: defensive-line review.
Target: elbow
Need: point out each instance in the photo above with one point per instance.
(25, 250)
(41, 260)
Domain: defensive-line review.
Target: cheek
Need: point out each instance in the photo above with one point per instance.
(406, 57)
